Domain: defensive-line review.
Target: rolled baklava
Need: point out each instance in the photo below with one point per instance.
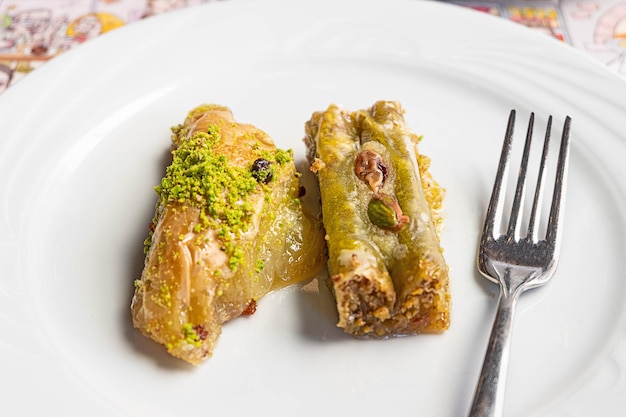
(381, 210)
(228, 228)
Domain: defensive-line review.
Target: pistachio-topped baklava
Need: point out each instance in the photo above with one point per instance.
(381, 212)
(228, 228)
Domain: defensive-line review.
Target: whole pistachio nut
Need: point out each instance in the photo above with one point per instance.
(370, 168)
(384, 211)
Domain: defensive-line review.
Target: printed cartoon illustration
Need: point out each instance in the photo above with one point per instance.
(610, 32)
(597, 27)
(91, 25)
(29, 32)
(26, 39)
(543, 18)
(35, 31)
(601, 29)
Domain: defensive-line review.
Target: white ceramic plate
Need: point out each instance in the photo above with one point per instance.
(84, 140)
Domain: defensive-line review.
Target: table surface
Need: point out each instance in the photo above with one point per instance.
(34, 31)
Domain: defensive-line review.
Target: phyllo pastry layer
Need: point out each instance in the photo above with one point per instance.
(381, 212)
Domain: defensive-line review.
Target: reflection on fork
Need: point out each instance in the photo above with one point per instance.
(515, 261)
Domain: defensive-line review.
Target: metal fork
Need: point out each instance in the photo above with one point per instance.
(516, 263)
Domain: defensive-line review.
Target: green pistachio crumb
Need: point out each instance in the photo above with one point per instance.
(190, 335)
(236, 257)
(147, 243)
(283, 157)
(259, 265)
(166, 296)
(201, 178)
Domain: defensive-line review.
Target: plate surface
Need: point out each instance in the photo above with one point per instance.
(85, 139)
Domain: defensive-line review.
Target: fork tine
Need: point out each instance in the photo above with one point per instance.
(553, 233)
(515, 218)
(532, 223)
(497, 194)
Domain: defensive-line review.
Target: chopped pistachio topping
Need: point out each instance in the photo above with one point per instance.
(201, 178)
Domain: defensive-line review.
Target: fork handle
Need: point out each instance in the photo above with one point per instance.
(489, 396)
